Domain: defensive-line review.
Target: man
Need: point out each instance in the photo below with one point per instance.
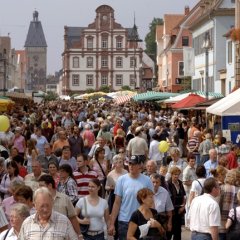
(101, 143)
(46, 223)
(151, 167)
(162, 200)
(126, 190)
(45, 158)
(205, 147)
(211, 163)
(61, 202)
(137, 146)
(154, 152)
(61, 141)
(75, 142)
(83, 175)
(31, 179)
(193, 145)
(204, 212)
(41, 140)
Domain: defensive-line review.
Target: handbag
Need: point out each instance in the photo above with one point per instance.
(84, 227)
(234, 230)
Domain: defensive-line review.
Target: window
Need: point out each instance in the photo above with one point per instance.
(119, 62)
(230, 52)
(89, 62)
(104, 80)
(104, 61)
(185, 41)
(180, 69)
(75, 62)
(104, 43)
(119, 43)
(132, 80)
(90, 42)
(232, 1)
(119, 80)
(89, 80)
(132, 62)
(75, 80)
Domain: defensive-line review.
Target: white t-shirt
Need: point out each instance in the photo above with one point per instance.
(10, 235)
(196, 187)
(94, 213)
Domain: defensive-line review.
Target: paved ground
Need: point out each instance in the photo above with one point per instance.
(186, 234)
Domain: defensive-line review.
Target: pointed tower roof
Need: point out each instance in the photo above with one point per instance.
(133, 35)
(35, 36)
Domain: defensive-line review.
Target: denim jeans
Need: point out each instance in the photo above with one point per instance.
(200, 236)
(122, 230)
(96, 237)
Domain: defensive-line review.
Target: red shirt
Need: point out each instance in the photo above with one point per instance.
(232, 160)
(22, 171)
(82, 180)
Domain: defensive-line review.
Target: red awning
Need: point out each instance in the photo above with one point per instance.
(189, 101)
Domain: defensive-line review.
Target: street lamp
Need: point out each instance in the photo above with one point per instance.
(134, 38)
(206, 46)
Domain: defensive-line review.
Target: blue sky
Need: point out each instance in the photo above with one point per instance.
(15, 17)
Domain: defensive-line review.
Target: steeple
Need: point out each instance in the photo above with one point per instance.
(133, 34)
(35, 36)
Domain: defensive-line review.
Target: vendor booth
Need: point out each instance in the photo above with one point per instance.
(228, 109)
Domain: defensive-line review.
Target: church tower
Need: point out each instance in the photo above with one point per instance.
(36, 55)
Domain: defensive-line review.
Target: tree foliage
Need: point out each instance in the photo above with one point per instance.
(126, 87)
(150, 39)
(89, 90)
(105, 89)
(50, 96)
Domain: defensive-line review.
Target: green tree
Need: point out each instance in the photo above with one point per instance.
(105, 89)
(90, 90)
(50, 96)
(151, 46)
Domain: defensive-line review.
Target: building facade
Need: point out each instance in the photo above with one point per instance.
(102, 54)
(216, 17)
(36, 55)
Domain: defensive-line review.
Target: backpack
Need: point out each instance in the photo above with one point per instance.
(234, 230)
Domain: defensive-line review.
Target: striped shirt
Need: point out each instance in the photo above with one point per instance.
(58, 228)
(82, 180)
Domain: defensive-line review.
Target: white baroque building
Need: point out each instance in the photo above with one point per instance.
(102, 54)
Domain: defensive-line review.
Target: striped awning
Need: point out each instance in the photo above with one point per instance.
(123, 99)
(153, 96)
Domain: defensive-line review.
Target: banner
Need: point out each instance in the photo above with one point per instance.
(188, 59)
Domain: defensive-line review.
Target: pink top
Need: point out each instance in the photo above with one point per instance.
(88, 134)
(98, 170)
(19, 143)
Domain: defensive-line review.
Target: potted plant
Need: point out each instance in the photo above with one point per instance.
(235, 34)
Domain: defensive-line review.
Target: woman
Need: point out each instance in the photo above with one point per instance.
(197, 185)
(53, 171)
(19, 212)
(227, 197)
(67, 184)
(234, 215)
(12, 174)
(178, 197)
(112, 177)
(13, 153)
(19, 141)
(99, 165)
(94, 209)
(119, 140)
(31, 153)
(176, 161)
(143, 215)
(88, 138)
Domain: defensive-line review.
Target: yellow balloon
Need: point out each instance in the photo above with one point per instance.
(4, 123)
(163, 146)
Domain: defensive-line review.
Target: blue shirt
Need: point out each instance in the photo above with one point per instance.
(210, 165)
(127, 188)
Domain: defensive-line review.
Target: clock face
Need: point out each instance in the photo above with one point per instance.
(104, 18)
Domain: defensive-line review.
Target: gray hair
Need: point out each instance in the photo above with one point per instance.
(15, 184)
(2, 162)
(21, 209)
(44, 191)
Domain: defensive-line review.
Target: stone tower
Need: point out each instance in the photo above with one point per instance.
(36, 55)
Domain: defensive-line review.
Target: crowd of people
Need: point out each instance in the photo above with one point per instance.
(93, 170)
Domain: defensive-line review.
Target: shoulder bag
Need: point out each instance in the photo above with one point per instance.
(84, 227)
(234, 230)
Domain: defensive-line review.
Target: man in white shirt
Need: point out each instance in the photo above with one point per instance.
(204, 213)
